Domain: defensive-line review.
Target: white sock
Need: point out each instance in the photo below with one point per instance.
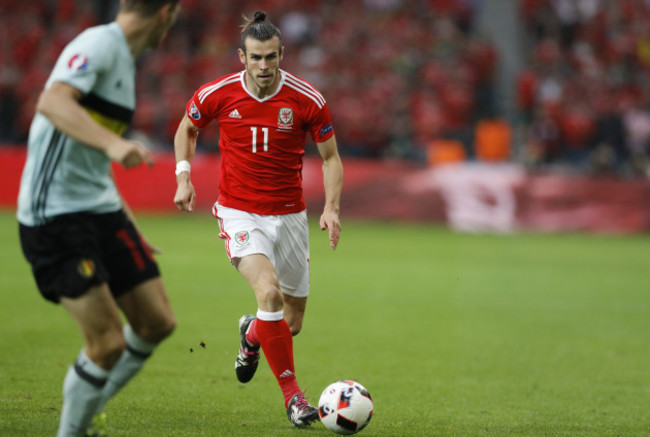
(133, 358)
(270, 317)
(82, 390)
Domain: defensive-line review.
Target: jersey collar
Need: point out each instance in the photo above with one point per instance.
(243, 84)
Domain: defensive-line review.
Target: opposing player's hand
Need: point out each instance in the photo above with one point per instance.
(185, 197)
(130, 153)
(330, 220)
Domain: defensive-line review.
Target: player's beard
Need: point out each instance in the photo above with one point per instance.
(264, 84)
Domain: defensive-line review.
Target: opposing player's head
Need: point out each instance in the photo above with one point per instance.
(261, 52)
(161, 15)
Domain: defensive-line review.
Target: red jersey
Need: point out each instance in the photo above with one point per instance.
(262, 141)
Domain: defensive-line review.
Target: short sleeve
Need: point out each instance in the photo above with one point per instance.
(321, 128)
(197, 111)
(83, 60)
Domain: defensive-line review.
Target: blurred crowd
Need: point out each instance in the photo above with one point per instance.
(397, 74)
(584, 94)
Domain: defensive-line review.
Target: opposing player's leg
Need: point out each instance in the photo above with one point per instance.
(72, 259)
(150, 320)
(148, 310)
(65, 255)
(140, 293)
(98, 317)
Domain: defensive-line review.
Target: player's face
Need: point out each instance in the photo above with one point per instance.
(262, 61)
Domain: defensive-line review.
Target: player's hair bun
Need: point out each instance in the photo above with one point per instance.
(260, 16)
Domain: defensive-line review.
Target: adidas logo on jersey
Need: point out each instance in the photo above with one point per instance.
(235, 114)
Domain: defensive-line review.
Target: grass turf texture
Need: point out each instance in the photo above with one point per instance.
(453, 335)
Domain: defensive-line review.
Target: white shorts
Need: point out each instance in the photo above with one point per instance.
(284, 239)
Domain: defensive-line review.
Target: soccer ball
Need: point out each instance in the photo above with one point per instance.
(345, 407)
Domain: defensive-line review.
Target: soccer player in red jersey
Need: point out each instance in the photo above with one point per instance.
(264, 114)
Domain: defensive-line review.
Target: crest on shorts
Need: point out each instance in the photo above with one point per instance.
(285, 118)
(86, 268)
(242, 238)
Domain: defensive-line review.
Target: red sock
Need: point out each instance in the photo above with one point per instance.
(277, 344)
(251, 335)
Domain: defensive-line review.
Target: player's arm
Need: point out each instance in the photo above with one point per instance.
(184, 150)
(60, 104)
(333, 184)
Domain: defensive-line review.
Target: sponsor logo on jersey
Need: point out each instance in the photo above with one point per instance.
(194, 112)
(78, 62)
(285, 118)
(325, 130)
(242, 238)
(235, 114)
(86, 268)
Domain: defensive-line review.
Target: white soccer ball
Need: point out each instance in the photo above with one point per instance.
(345, 407)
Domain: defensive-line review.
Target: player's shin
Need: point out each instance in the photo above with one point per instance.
(132, 360)
(277, 343)
(82, 390)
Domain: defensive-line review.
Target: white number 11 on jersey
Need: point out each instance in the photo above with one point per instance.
(265, 130)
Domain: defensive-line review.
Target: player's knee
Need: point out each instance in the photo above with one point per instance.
(105, 351)
(159, 330)
(167, 327)
(270, 298)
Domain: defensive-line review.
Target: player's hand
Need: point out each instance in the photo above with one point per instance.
(330, 220)
(185, 197)
(130, 153)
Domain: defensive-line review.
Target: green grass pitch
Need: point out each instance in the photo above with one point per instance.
(452, 334)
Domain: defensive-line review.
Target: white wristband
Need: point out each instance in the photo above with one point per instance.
(182, 166)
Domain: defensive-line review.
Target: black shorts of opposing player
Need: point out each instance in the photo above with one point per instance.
(74, 252)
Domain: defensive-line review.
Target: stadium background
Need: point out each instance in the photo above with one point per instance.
(494, 116)
(455, 334)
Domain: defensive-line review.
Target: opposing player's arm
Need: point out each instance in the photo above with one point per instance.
(333, 184)
(184, 150)
(60, 104)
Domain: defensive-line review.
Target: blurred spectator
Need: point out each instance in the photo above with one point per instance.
(586, 89)
(542, 139)
(637, 127)
(398, 74)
